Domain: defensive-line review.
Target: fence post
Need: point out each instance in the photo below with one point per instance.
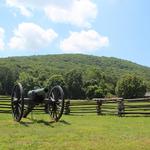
(121, 107)
(67, 108)
(98, 107)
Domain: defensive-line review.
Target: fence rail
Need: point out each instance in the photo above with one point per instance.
(111, 106)
(139, 106)
(99, 106)
(5, 104)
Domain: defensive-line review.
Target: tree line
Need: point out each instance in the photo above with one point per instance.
(77, 83)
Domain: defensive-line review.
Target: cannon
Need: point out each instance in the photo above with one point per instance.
(52, 98)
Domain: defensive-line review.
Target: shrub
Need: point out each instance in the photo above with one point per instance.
(94, 92)
(130, 86)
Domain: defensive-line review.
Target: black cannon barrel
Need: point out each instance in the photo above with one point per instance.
(38, 95)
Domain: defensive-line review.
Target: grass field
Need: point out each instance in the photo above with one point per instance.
(88, 132)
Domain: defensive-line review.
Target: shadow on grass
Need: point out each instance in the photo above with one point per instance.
(34, 121)
(64, 122)
(46, 123)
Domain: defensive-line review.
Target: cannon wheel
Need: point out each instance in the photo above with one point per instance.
(17, 102)
(56, 107)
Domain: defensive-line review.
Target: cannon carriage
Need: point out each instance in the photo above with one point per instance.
(53, 99)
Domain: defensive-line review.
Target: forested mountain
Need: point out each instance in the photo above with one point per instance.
(65, 62)
(49, 65)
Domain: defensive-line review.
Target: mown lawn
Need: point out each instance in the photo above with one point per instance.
(88, 132)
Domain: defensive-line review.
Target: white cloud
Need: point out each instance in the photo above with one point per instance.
(21, 5)
(80, 13)
(84, 42)
(2, 44)
(75, 12)
(30, 36)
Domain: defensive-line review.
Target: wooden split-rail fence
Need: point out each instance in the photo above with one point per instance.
(109, 106)
(99, 106)
(5, 105)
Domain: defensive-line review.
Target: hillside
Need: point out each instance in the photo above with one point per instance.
(65, 62)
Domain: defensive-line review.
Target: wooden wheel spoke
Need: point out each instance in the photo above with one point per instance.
(16, 112)
(58, 104)
(19, 110)
(56, 115)
(53, 97)
(53, 114)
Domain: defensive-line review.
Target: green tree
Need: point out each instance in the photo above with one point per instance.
(93, 74)
(55, 80)
(94, 91)
(28, 81)
(96, 84)
(43, 78)
(130, 86)
(99, 93)
(74, 83)
(7, 77)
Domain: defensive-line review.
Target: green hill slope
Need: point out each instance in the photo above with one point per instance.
(60, 64)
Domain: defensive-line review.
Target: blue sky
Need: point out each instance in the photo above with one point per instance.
(113, 28)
